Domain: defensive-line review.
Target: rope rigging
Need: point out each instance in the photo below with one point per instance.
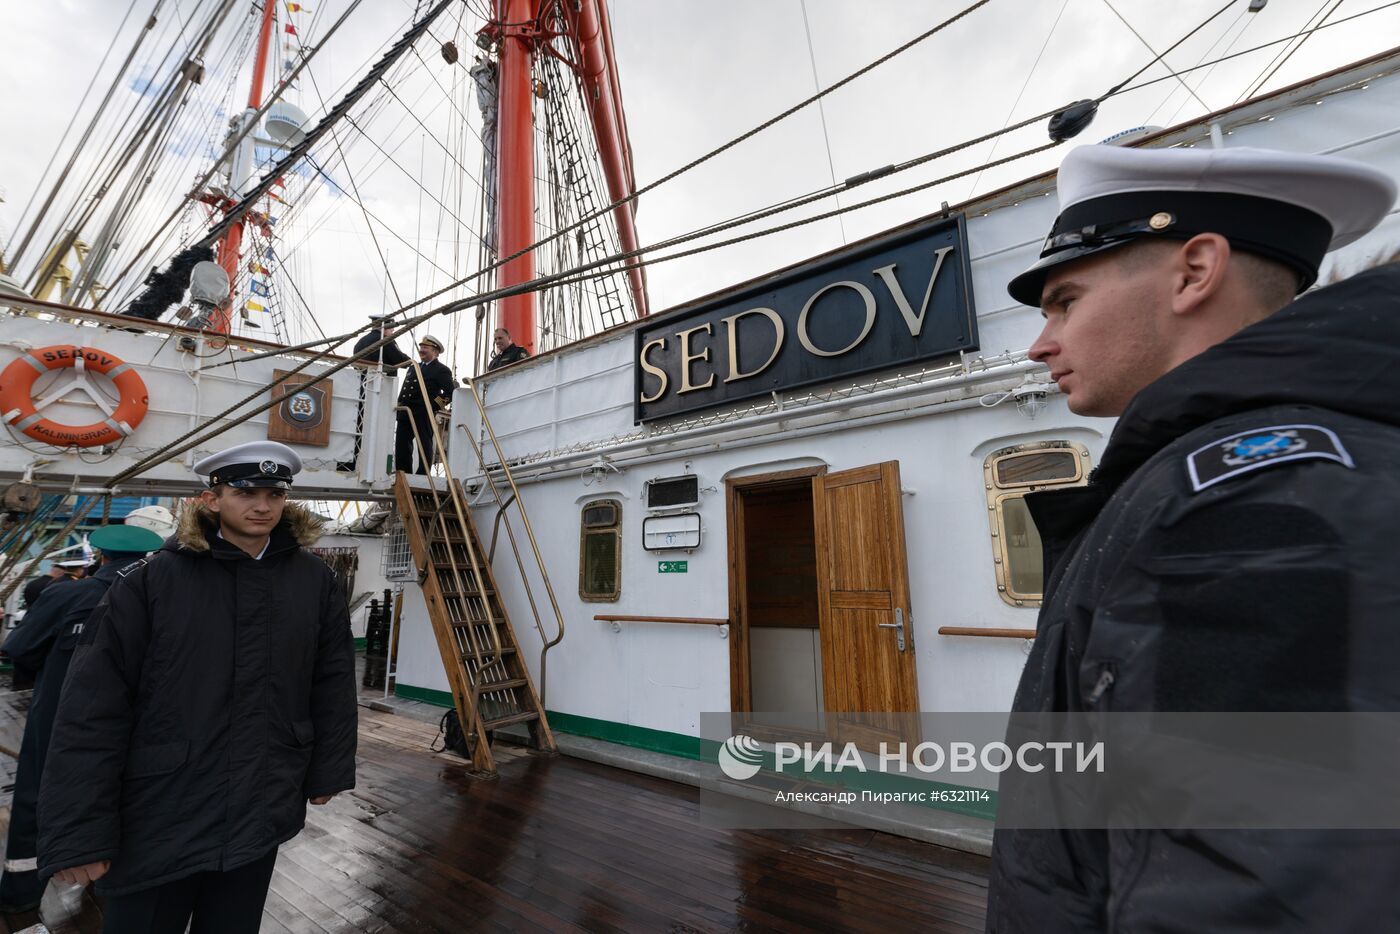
(589, 271)
(1121, 87)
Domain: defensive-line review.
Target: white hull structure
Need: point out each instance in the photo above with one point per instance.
(566, 422)
(189, 381)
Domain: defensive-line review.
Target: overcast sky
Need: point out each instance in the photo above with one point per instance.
(695, 74)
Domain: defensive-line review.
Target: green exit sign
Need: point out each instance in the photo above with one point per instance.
(673, 567)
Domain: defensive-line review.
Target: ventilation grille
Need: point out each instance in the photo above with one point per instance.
(671, 492)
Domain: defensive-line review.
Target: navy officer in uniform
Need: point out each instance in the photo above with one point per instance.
(423, 403)
(44, 643)
(212, 695)
(1233, 550)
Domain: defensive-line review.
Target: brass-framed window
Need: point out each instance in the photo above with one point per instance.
(600, 551)
(1009, 474)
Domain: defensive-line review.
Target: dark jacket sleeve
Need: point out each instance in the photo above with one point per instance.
(34, 588)
(388, 354)
(393, 356)
(333, 699)
(440, 386)
(79, 802)
(31, 641)
(364, 341)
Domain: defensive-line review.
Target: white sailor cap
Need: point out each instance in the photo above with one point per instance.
(1288, 207)
(256, 463)
(73, 562)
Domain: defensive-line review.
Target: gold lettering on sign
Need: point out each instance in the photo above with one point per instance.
(687, 357)
(732, 323)
(653, 369)
(806, 340)
(915, 322)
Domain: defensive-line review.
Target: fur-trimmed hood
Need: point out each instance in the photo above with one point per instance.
(198, 523)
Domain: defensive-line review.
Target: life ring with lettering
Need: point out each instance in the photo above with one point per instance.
(20, 409)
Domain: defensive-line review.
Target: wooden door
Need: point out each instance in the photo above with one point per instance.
(863, 593)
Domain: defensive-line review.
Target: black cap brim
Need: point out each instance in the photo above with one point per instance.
(1028, 286)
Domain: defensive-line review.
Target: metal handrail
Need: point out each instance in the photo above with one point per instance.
(510, 533)
(501, 507)
(992, 633)
(699, 620)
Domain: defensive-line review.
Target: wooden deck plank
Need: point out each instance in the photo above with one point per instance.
(561, 844)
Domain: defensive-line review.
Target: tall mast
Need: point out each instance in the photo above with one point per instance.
(515, 197)
(241, 171)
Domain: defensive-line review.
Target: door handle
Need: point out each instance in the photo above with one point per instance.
(897, 626)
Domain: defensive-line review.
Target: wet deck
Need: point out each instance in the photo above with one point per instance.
(564, 844)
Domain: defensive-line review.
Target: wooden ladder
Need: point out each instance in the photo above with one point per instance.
(491, 686)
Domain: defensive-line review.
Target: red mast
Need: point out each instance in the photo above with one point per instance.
(515, 160)
(241, 170)
(520, 35)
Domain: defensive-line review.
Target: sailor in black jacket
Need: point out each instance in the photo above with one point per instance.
(1233, 550)
(44, 642)
(389, 355)
(422, 404)
(211, 696)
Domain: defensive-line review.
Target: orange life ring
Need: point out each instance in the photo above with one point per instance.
(17, 403)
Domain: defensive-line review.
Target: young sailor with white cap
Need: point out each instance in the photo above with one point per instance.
(423, 404)
(1232, 550)
(212, 695)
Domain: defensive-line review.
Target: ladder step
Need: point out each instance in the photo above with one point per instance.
(499, 722)
(474, 657)
(469, 623)
(489, 686)
(451, 540)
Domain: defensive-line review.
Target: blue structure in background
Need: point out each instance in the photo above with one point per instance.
(55, 511)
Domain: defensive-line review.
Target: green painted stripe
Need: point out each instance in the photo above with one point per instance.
(624, 734)
(360, 644)
(426, 695)
(694, 747)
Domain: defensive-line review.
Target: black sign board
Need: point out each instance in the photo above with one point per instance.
(900, 300)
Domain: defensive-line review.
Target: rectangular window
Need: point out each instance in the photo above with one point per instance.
(600, 551)
(1010, 474)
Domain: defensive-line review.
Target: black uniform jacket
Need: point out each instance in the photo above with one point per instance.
(512, 354)
(38, 585)
(389, 355)
(44, 642)
(1234, 551)
(440, 386)
(210, 696)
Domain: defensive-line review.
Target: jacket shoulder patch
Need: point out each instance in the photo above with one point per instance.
(133, 567)
(1257, 448)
